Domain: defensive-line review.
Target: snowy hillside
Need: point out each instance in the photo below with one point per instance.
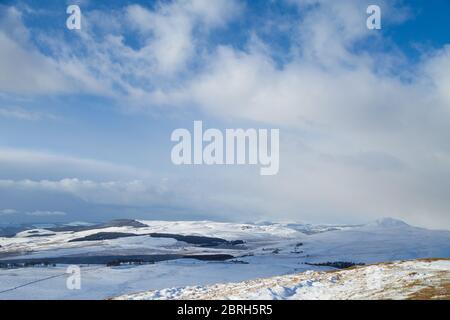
(399, 280)
(127, 256)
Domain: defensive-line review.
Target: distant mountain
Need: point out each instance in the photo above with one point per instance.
(388, 223)
(386, 239)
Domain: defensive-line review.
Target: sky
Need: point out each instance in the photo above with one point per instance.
(86, 115)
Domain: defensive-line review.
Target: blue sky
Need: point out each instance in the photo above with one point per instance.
(86, 116)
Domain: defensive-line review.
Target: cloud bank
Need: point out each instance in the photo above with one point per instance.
(364, 129)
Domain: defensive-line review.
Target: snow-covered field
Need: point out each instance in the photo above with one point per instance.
(415, 279)
(252, 251)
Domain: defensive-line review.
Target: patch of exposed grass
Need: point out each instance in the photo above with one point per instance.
(432, 259)
(439, 292)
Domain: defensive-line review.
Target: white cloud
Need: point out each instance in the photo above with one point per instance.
(8, 211)
(359, 139)
(97, 59)
(30, 163)
(341, 104)
(27, 71)
(24, 114)
(172, 32)
(111, 192)
(23, 68)
(46, 213)
(437, 68)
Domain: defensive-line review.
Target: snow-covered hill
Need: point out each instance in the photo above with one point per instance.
(417, 279)
(126, 256)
